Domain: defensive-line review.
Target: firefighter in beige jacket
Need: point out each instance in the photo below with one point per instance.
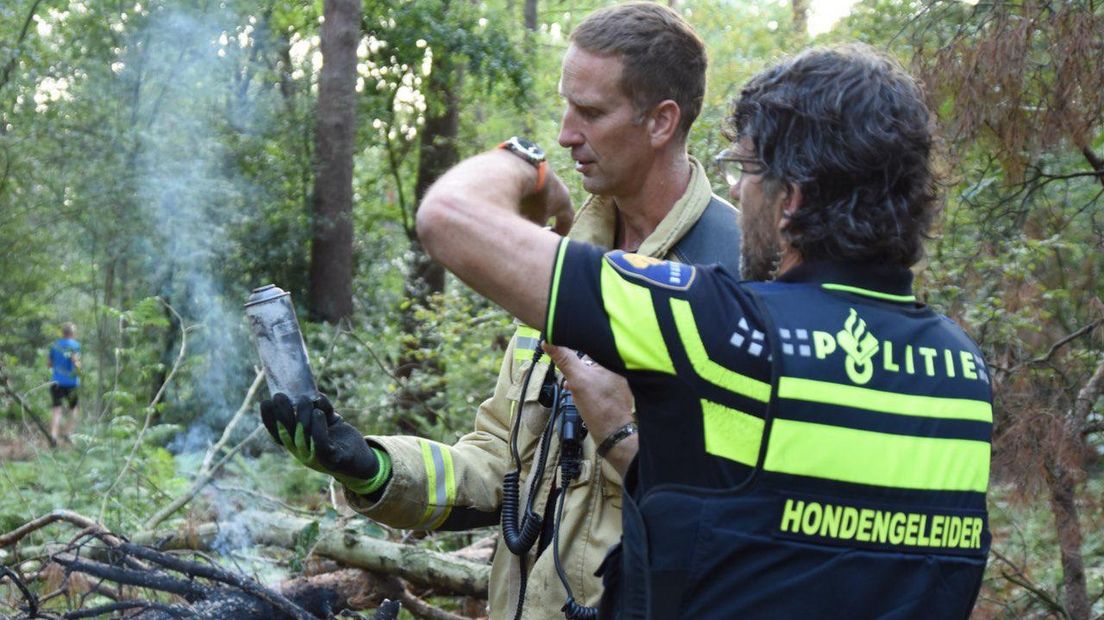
(437, 486)
(648, 196)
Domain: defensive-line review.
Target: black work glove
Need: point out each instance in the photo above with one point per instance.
(318, 438)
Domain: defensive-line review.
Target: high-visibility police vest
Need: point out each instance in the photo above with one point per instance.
(867, 497)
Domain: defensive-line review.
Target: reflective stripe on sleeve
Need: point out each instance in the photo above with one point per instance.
(706, 368)
(440, 484)
(632, 319)
(526, 340)
(877, 459)
(731, 434)
(830, 393)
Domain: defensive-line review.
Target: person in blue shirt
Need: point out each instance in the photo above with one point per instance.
(64, 363)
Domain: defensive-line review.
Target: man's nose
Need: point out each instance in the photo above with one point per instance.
(569, 136)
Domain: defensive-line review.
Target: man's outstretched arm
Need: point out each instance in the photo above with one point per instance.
(478, 221)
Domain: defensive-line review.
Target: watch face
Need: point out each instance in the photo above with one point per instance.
(526, 149)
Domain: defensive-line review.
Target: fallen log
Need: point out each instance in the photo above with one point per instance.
(431, 569)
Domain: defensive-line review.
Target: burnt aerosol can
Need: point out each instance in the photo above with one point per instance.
(280, 343)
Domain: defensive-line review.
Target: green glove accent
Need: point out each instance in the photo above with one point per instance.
(302, 448)
(365, 487)
(318, 438)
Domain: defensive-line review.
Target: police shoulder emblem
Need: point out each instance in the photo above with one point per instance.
(663, 273)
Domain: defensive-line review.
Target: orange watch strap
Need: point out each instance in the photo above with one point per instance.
(542, 168)
(542, 175)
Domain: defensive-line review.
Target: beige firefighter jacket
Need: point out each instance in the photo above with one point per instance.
(430, 481)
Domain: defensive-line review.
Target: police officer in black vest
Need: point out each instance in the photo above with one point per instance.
(812, 447)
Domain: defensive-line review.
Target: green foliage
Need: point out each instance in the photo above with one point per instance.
(741, 39)
(1027, 555)
(77, 477)
(277, 474)
(354, 365)
(304, 541)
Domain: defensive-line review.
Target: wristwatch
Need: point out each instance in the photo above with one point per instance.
(531, 153)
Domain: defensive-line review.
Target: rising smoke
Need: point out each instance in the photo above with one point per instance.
(193, 196)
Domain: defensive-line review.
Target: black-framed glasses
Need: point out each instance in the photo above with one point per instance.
(732, 166)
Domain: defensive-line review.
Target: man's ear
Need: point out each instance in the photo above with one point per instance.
(663, 122)
(790, 203)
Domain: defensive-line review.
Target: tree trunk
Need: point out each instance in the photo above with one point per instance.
(331, 269)
(425, 277)
(1062, 484)
(531, 15)
(800, 17)
(1063, 504)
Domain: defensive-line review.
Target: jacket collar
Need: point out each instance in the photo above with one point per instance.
(596, 220)
(873, 279)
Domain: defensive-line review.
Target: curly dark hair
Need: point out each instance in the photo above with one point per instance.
(848, 127)
(663, 57)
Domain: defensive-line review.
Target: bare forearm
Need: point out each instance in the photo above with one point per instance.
(471, 222)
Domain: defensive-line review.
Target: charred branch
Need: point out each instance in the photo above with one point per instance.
(144, 579)
(243, 599)
(323, 596)
(175, 611)
(32, 600)
(216, 574)
(119, 569)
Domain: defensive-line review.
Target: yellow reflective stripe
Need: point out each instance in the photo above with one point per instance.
(731, 433)
(815, 391)
(632, 319)
(868, 293)
(431, 483)
(440, 484)
(708, 369)
(523, 354)
(450, 480)
(526, 340)
(877, 459)
(554, 290)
